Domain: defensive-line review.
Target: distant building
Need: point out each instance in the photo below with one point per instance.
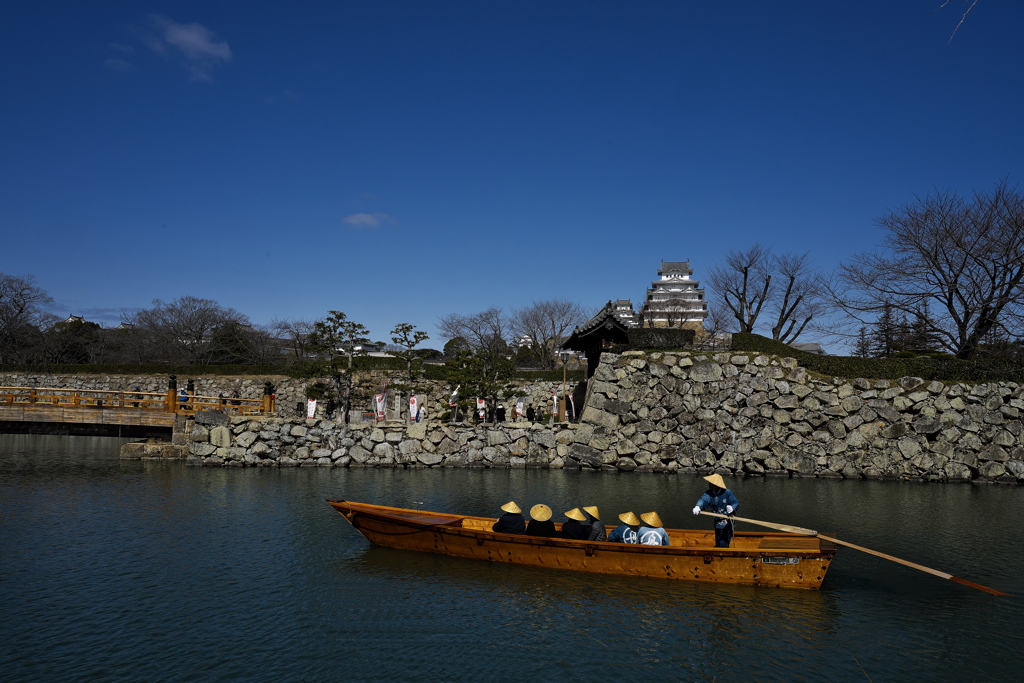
(675, 300)
(623, 310)
(809, 347)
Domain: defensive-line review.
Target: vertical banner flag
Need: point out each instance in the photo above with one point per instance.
(413, 408)
(481, 408)
(378, 405)
(554, 403)
(311, 409)
(454, 397)
(570, 407)
(519, 406)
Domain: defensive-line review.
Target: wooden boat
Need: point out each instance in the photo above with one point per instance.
(783, 560)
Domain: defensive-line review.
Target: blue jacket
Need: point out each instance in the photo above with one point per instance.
(652, 536)
(623, 534)
(716, 504)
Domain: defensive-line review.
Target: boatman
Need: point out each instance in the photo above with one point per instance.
(627, 533)
(720, 500)
(512, 521)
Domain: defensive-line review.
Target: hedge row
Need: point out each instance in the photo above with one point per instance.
(945, 369)
(660, 338)
(298, 370)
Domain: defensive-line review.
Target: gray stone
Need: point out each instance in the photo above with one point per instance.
(220, 437)
(213, 418)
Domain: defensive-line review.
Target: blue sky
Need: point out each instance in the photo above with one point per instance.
(400, 161)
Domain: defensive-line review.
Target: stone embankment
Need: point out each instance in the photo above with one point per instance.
(666, 412)
(217, 440)
(759, 415)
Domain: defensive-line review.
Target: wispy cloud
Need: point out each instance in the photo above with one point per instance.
(116, 64)
(367, 220)
(194, 45)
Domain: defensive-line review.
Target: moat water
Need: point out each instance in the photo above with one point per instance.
(154, 571)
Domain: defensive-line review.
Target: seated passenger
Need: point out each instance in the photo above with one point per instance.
(512, 521)
(595, 525)
(572, 529)
(541, 524)
(652, 532)
(627, 533)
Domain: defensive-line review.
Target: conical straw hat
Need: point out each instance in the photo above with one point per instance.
(592, 511)
(629, 518)
(715, 480)
(511, 507)
(540, 512)
(576, 514)
(651, 519)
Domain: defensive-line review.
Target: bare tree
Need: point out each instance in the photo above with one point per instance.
(543, 325)
(21, 317)
(487, 331)
(969, 4)
(961, 256)
(796, 297)
(181, 331)
(742, 284)
(294, 333)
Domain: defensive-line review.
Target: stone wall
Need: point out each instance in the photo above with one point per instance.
(666, 412)
(290, 392)
(734, 413)
(220, 440)
(760, 415)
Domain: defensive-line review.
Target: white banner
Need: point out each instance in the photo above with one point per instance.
(311, 409)
(519, 407)
(570, 407)
(481, 408)
(454, 397)
(378, 405)
(413, 408)
(554, 404)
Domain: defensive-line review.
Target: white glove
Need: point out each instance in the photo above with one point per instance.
(696, 509)
(728, 509)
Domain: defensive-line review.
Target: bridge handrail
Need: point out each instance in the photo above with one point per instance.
(130, 398)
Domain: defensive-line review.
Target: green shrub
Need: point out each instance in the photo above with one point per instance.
(940, 367)
(641, 338)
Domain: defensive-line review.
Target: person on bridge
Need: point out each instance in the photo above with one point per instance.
(512, 521)
(722, 501)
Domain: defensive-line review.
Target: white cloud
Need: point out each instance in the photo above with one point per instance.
(194, 44)
(367, 220)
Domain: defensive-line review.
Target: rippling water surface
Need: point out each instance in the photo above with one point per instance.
(152, 571)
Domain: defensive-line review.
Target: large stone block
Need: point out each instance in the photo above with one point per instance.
(705, 371)
(220, 437)
(599, 418)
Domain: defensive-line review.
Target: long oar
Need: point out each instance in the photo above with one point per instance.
(907, 563)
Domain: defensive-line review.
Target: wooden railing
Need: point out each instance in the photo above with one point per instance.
(167, 402)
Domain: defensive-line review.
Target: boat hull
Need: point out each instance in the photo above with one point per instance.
(758, 559)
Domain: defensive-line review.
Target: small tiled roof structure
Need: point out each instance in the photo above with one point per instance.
(601, 332)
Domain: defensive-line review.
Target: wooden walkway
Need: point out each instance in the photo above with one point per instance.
(126, 408)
